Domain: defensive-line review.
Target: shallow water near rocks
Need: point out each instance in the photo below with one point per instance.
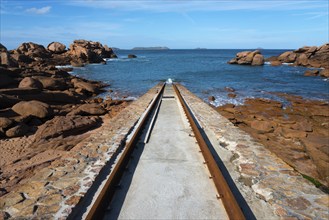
(204, 72)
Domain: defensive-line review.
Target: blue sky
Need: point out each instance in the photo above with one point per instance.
(177, 24)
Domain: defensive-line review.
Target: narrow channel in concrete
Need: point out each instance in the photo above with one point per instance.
(166, 178)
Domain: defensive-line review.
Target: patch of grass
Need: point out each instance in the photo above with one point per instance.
(316, 183)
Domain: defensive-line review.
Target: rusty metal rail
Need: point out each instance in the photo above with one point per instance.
(231, 205)
(106, 194)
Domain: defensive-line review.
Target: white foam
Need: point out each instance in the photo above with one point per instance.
(169, 81)
(267, 63)
(64, 66)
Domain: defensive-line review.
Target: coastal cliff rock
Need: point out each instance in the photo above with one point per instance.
(83, 51)
(253, 58)
(307, 56)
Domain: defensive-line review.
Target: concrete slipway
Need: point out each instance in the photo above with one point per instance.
(167, 178)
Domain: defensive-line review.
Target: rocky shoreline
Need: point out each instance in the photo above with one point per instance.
(45, 111)
(297, 132)
(308, 56)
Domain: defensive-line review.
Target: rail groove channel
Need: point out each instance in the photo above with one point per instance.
(166, 170)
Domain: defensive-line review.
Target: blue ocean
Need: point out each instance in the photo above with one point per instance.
(205, 73)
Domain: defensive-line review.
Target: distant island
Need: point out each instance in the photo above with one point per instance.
(150, 48)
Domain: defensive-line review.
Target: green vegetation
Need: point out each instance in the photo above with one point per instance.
(316, 183)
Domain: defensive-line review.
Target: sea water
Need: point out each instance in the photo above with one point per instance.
(205, 73)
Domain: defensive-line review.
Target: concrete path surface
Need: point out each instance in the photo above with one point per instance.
(167, 178)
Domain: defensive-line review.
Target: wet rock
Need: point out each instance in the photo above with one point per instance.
(35, 108)
(132, 56)
(231, 95)
(17, 131)
(211, 98)
(311, 73)
(276, 63)
(229, 89)
(56, 47)
(29, 82)
(324, 73)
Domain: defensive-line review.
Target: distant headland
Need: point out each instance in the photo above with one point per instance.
(150, 48)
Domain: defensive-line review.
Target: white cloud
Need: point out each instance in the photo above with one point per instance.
(39, 11)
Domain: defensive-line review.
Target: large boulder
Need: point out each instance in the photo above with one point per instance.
(320, 58)
(29, 82)
(248, 58)
(84, 86)
(51, 83)
(317, 57)
(56, 47)
(257, 60)
(132, 56)
(65, 126)
(287, 57)
(35, 108)
(86, 51)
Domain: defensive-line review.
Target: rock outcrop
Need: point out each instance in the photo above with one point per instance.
(33, 50)
(297, 134)
(83, 51)
(253, 58)
(317, 57)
